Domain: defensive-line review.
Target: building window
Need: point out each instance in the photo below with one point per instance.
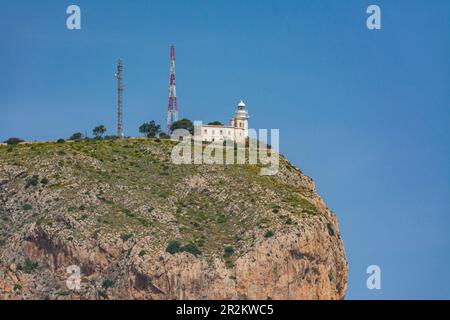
(206, 131)
(240, 124)
(221, 132)
(213, 132)
(229, 132)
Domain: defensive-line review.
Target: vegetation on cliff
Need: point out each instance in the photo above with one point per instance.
(128, 199)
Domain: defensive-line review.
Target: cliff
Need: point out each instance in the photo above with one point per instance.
(140, 227)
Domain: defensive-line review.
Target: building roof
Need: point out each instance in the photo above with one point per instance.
(217, 126)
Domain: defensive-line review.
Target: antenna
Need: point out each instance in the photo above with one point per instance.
(119, 99)
(172, 109)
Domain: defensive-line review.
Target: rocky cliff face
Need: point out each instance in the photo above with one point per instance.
(140, 227)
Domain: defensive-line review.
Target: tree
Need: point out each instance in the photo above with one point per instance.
(13, 141)
(76, 136)
(215, 123)
(99, 131)
(183, 124)
(150, 129)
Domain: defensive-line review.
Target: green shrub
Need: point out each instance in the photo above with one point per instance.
(61, 141)
(126, 237)
(27, 207)
(110, 137)
(164, 135)
(17, 287)
(108, 283)
(228, 251)
(2, 242)
(76, 136)
(13, 141)
(330, 229)
(142, 253)
(173, 247)
(191, 248)
(269, 234)
(221, 219)
(33, 181)
(30, 266)
(44, 181)
(61, 153)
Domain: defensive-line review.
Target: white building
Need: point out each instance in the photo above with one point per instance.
(237, 130)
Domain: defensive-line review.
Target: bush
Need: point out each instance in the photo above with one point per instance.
(30, 266)
(39, 221)
(61, 141)
(13, 141)
(107, 283)
(269, 234)
(164, 135)
(173, 247)
(330, 229)
(142, 253)
(2, 242)
(44, 181)
(33, 181)
(111, 137)
(27, 207)
(76, 136)
(228, 251)
(191, 248)
(221, 219)
(126, 237)
(17, 287)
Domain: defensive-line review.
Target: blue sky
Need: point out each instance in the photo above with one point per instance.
(365, 113)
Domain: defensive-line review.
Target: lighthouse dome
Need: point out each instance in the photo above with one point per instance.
(241, 112)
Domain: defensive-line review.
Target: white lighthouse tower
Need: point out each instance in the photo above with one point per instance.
(240, 122)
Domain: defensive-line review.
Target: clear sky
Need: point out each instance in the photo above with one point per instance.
(365, 113)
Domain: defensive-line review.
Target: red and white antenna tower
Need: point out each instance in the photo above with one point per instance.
(172, 109)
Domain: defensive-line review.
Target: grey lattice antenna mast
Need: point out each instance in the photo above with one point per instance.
(119, 99)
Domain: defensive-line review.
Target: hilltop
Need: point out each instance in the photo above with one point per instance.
(141, 227)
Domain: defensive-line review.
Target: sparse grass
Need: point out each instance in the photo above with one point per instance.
(29, 266)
